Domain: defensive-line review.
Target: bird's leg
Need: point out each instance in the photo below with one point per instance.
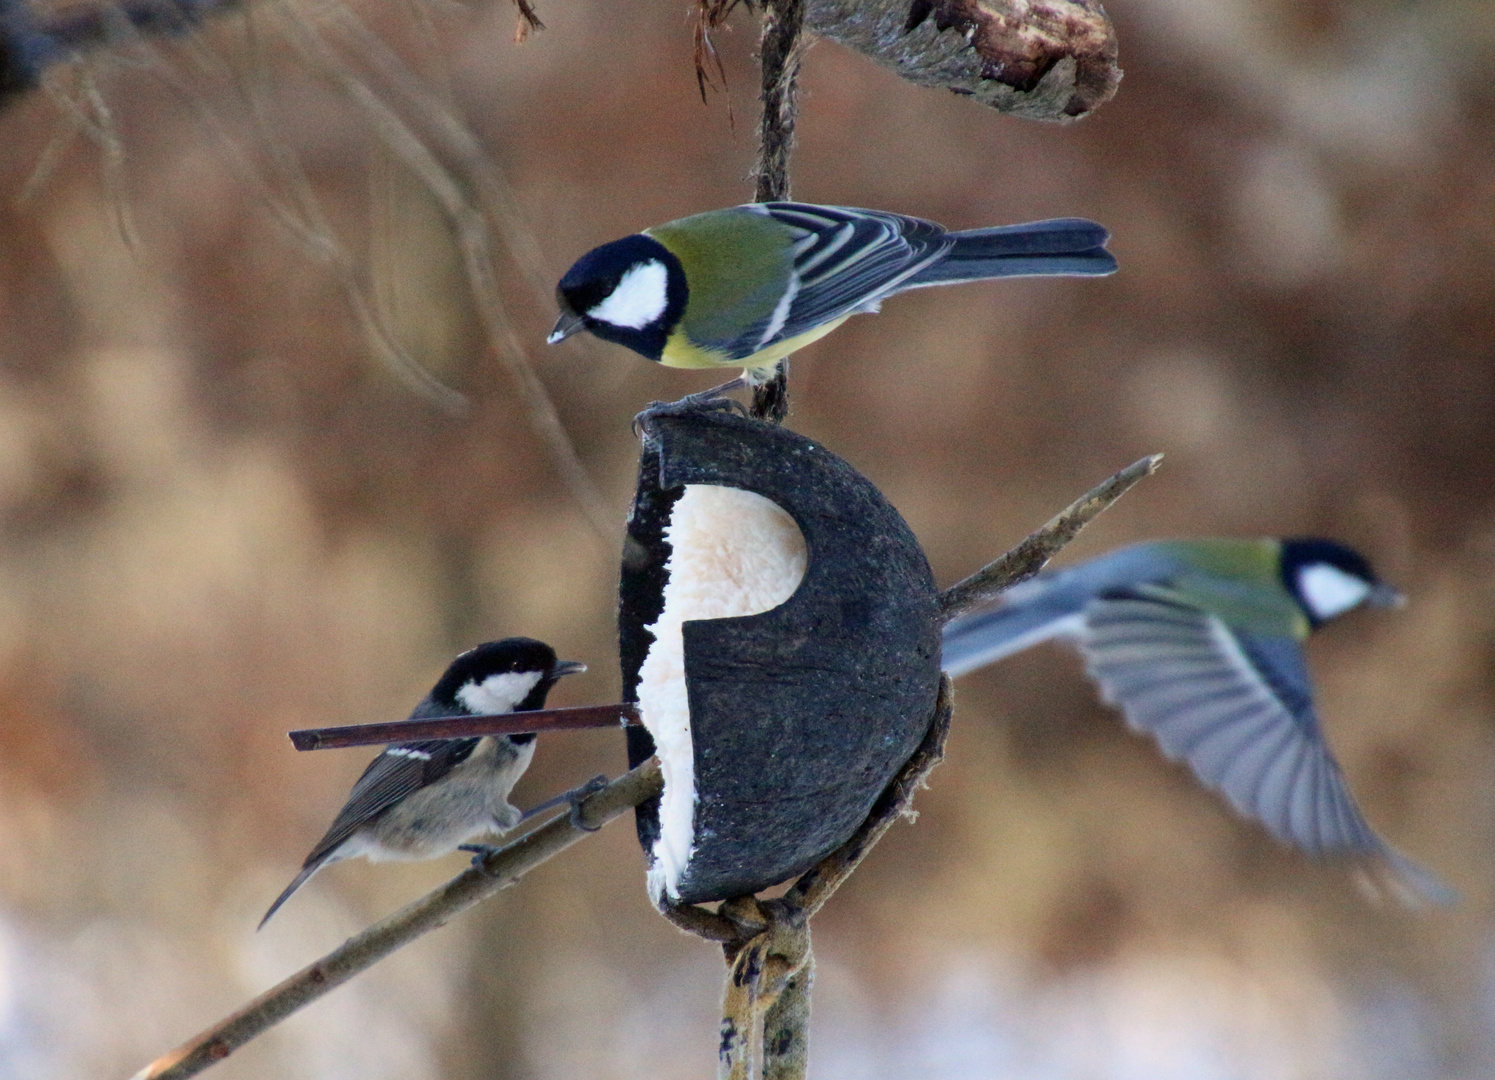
(576, 796)
(707, 397)
(704, 401)
(479, 853)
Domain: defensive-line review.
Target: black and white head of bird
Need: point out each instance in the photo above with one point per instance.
(1328, 579)
(631, 292)
(512, 675)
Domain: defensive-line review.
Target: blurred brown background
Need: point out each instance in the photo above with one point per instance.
(221, 518)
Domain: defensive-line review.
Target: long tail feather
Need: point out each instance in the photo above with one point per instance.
(1069, 246)
(1394, 877)
(296, 883)
(985, 637)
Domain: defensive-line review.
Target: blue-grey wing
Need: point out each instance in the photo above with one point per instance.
(845, 259)
(1281, 664)
(1237, 709)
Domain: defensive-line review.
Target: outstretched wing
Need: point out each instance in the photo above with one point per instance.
(846, 259)
(1238, 708)
(395, 773)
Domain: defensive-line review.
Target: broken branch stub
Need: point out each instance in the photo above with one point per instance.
(1042, 59)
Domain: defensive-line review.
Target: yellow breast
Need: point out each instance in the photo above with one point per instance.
(681, 352)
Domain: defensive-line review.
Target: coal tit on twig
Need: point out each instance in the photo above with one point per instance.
(421, 800)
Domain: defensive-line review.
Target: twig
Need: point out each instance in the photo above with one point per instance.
(710, 14)
(470, 232)
(499, 869)
(771, 974)
(302, 219)
(780, 50)
(527, 20)
(1030, 556)
(462, 727)
(786, 1023)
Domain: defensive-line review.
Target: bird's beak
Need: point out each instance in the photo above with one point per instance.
(1384, 595)
(567, 667)
(569, 323)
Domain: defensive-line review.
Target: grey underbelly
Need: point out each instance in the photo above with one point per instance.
(473, 801)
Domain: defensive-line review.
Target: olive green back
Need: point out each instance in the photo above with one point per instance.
(1241, 582)
(737, 264)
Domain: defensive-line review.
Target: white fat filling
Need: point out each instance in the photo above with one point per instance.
(734, 553)
(497, 693)
(1329, 591)
(639, 299)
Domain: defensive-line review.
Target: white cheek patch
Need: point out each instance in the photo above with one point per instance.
(640, 298)
(498, 693)
(1329, 591)
(733, 553)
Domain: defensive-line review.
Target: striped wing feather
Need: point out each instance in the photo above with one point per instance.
(1237, 709)
(847, 259)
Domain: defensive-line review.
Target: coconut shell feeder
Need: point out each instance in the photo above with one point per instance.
(777, 727)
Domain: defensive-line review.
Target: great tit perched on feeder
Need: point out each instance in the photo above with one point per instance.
(1200, 643)
(748, 285)
(421, 800)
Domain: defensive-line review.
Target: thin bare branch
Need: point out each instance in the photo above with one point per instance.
(462, 727)
(68, 130)
(458, 145)
(737, 923)
(304, 222)
(776, 962)
(732, 926)
(526, 21)
(710, 71)
(499, 869)
(470, 230)
(786, 1025)
(1030, 556)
